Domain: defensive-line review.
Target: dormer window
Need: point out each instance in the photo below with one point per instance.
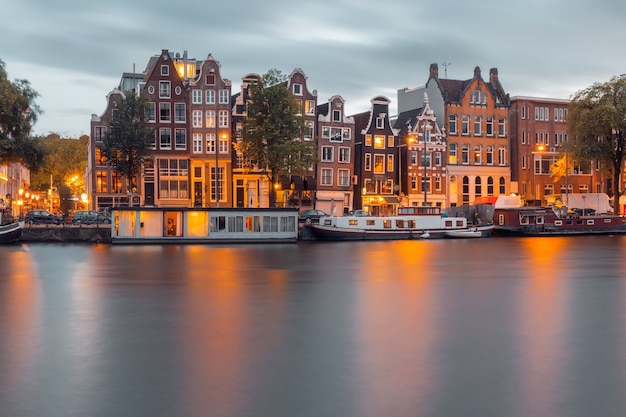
(380, 121)
(165, 70)
(210, 79)
(336, 115)
(297, 89)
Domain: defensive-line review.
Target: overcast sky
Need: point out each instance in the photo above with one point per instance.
(74, 52)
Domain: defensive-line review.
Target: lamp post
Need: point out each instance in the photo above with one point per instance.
(410, 139)
(20, 202)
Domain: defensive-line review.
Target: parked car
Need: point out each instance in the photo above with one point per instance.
(42, 217)
(359, 213)
(311, 216)
(89, 217)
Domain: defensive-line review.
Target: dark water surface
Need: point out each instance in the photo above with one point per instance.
(493, 327)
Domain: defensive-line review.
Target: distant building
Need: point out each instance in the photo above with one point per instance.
(335, 166)
(375, 163)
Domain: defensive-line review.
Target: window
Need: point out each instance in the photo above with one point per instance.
(210, 118)
(489, 126)
(100, 158)
(179, 113)
(489, 155)
(379, 142)
(336, 115)
(438, 183)
(223, 142)
(327, 176)
(344, 154)
(368, 140)
(477, 126)
(101, 181)
(173, 178)
(452, 148)
(465, 125)
(453, 124)
(425, 159)
(180, 138)
(346, 133)
(151, 116)
(489, 185)
(465, 154)
(223, 96)
(380, 121)
(523, 110)
(99, 132)
(390, 141)
(390, 163)
(223, 118)
(438, 159)
(165, 112)
(210, 142)
(502, 127)
(197, 118)
(368, 162)
(210, 96)
(478, 187)
(379, 164)
(524, 162)
(327, 154)
(298, 105)
(413, 158)
(524, 137)
(116, 182)
(309, 107)
(297, 89)
(308, 130)
(502, 156)
(197, 143)
(336, 134)
(478, 155)
(165, 70)
(164, 89)
(502, 186)
(344, 178)
(210, 79)
(165, 138)
(196, 96)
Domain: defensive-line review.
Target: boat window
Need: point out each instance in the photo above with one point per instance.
(523, 220)
(590, 222)
(448, 223)
(400, 224)
(459, 223)
(370, 222)
(287, 224)
(607, 220)
(539, 220)
(411, 224)
(501, 219)
(387, 224)
(235, 224)
(218, 223)
(270, 224)
(558, 222)
(353, 222)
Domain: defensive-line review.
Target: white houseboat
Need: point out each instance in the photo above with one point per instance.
(132, 225)
(419, 222)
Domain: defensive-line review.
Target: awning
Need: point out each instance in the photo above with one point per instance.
(486, 200)
(391, 199)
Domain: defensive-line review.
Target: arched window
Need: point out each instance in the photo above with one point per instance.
(465, 190)
(502, 186)
(478, 187)
(489, 185)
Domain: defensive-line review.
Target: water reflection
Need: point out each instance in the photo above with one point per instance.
(511, 327)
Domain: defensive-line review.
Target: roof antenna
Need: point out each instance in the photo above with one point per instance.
(445, 69)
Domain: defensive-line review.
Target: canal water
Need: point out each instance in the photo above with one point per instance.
(488, 327)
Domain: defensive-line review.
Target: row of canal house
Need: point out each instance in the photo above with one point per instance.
(453, 142)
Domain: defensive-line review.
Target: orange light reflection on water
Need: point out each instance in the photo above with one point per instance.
(397, 298)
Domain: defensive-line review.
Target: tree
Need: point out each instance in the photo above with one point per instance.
(597, 122)
(18, 113)
(64, 158)
(128, 141)
(272, 132)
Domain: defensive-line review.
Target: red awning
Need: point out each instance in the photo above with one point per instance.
(486, 200)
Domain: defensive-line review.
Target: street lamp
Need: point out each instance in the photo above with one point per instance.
(19, 201)
(410, 139)
(218, 141)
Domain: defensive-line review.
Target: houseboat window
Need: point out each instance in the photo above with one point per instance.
(253, 224)
(459, 223)
(411, 224)
(287, 224)
(400, 224)
(523, 220)
(448, 223)
(270, 224)
(607, 220)
(218, 224)
(387, 224)
(235, 224)
(370, 222)
(501, 219)
(558, 222)
(590, 222)
(539, 220)
(353, 222)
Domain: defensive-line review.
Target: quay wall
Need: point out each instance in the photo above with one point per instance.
(82, 234)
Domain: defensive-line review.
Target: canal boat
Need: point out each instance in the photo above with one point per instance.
(11, 232)
(552, 221)
(137, 225)
(411, 222)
